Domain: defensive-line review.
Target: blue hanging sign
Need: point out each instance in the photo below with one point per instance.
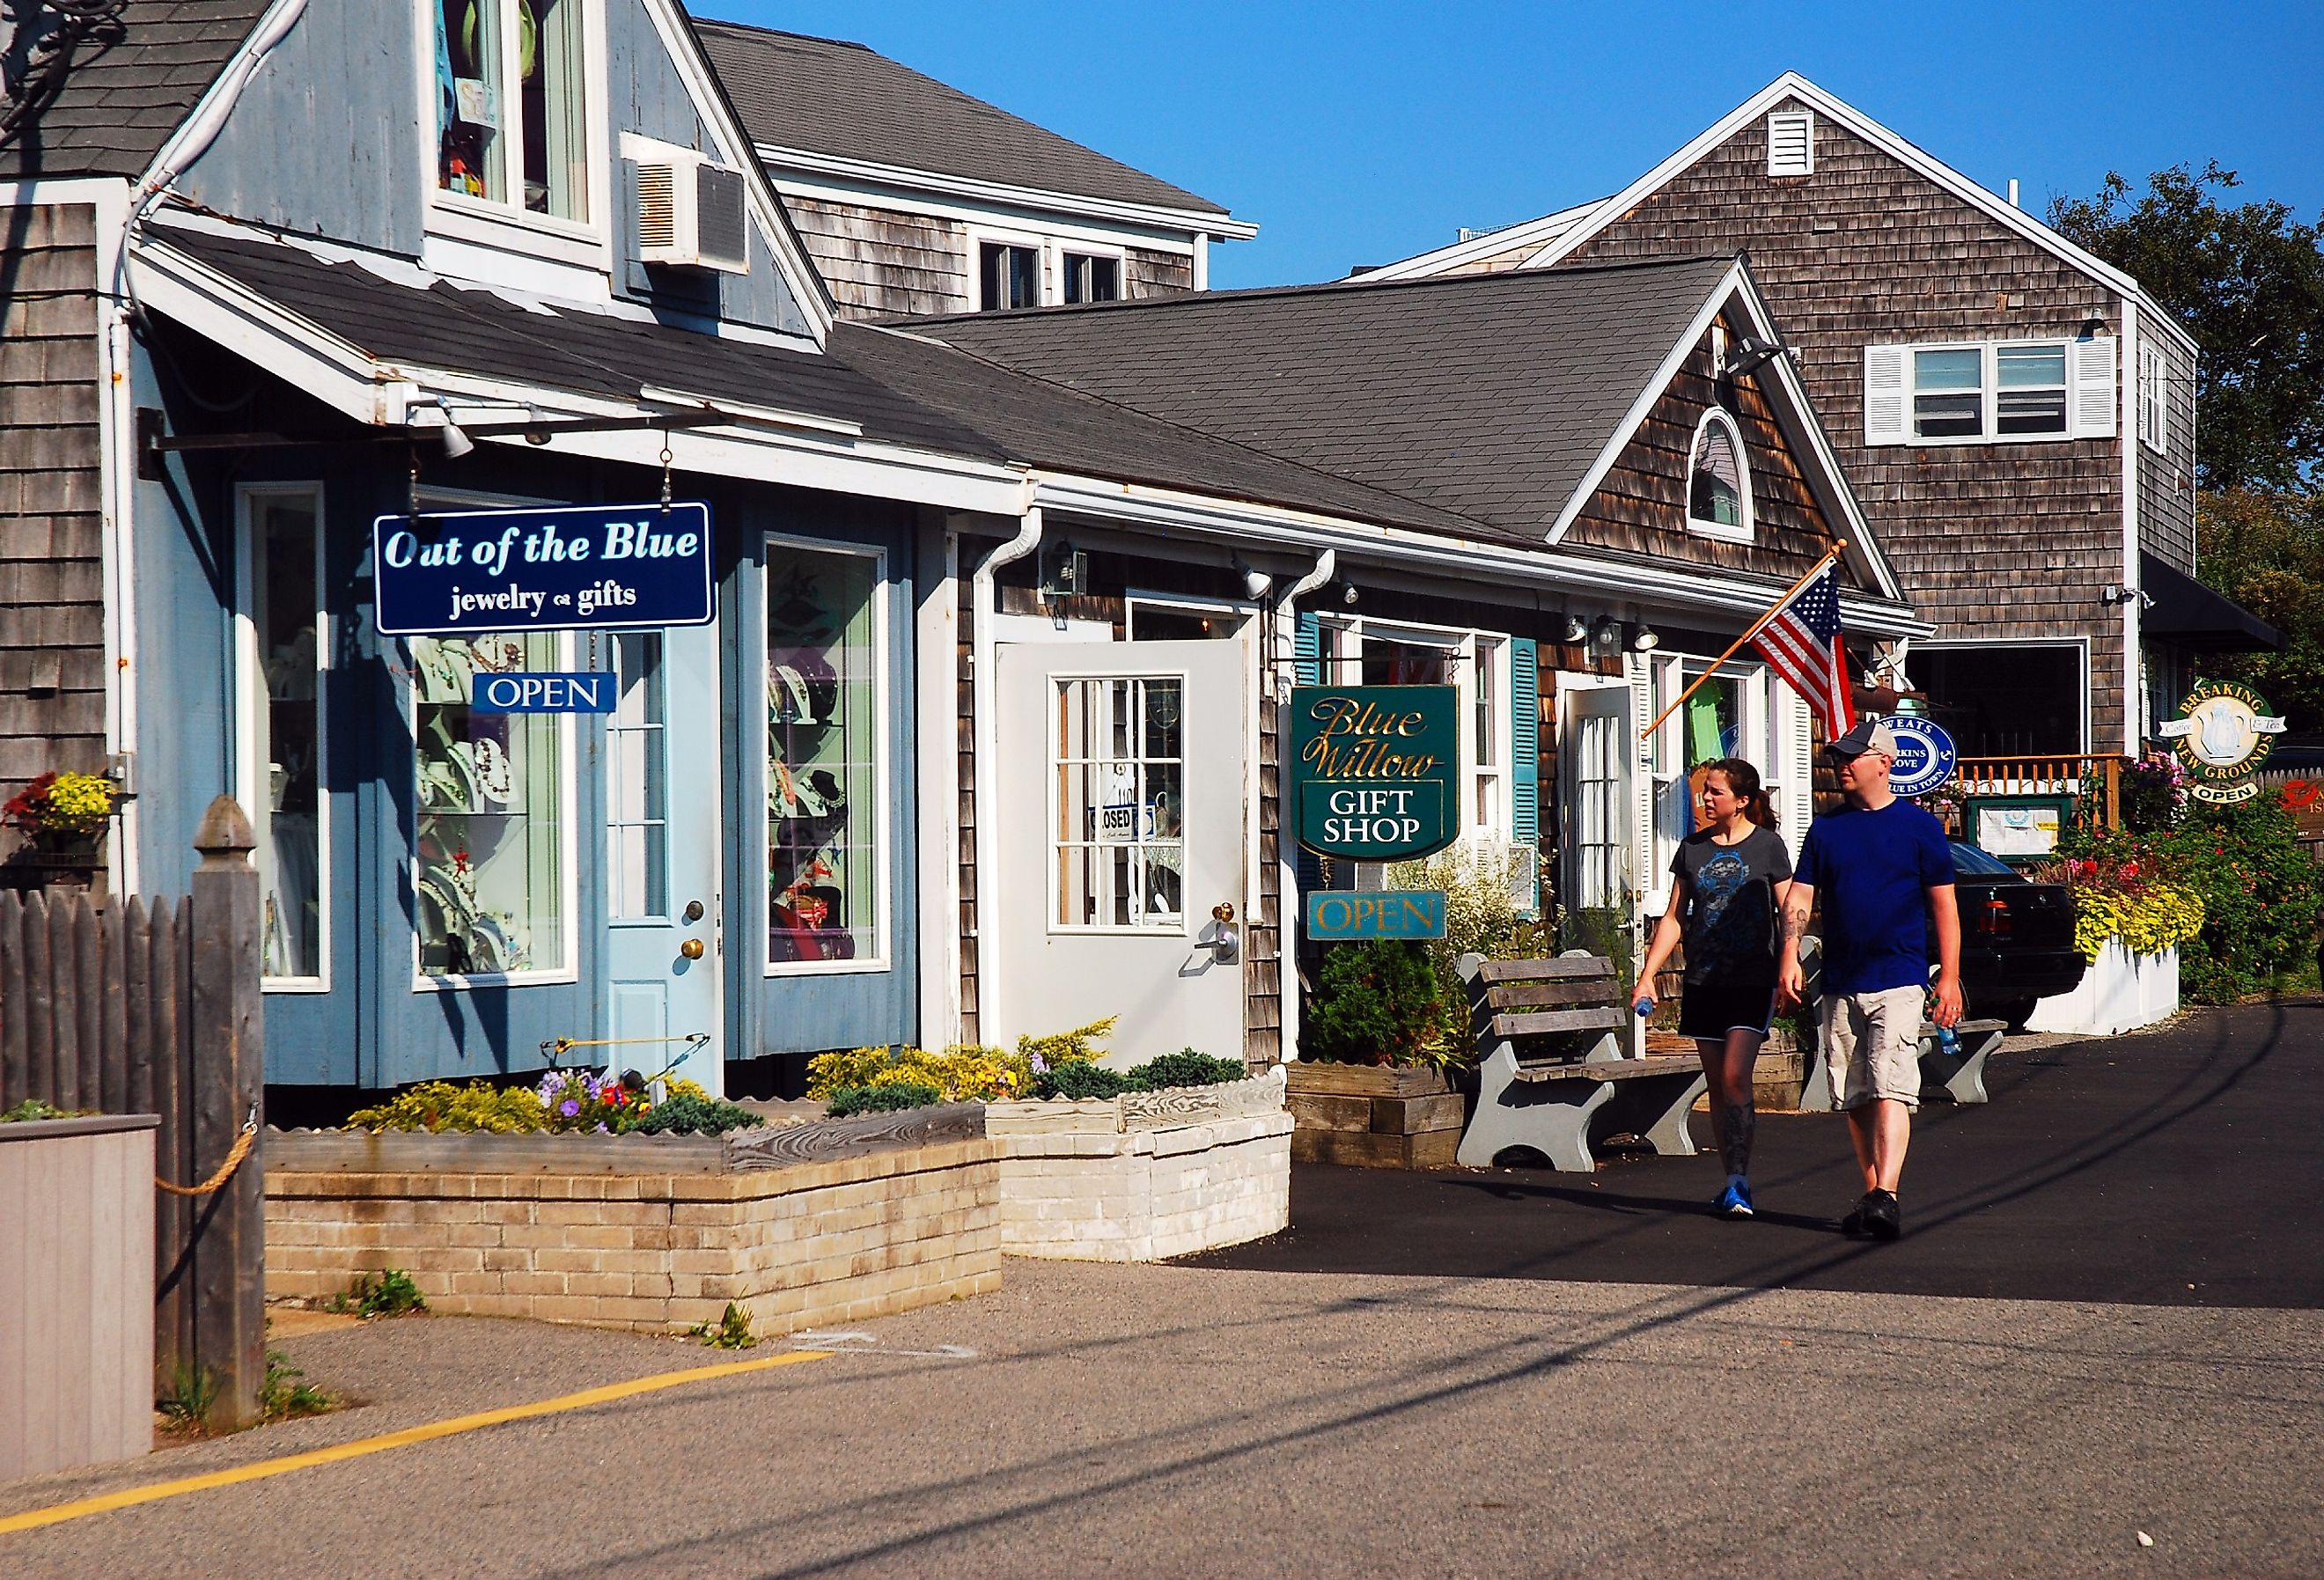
(1338, 916)
(516, 691)
(1924, 755)
(571, 567)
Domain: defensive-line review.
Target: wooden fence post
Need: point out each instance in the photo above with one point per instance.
(227, 1043)
(2113, 794)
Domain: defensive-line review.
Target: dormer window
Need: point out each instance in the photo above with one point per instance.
(1718, 487)
(512, 114)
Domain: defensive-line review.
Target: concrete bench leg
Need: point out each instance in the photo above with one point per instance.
(1815, 1091)
(1962, 1076)
(1551, 1117)
(1670, 1134)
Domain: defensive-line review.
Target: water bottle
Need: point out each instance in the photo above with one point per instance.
(1645, 1007)
(1947, 1043)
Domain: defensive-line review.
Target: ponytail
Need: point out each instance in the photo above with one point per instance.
(1743, 779)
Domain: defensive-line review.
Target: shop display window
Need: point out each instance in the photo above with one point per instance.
(513, 135)
(490, 875)
(824, 823)
(1119, 846)
(281, 726)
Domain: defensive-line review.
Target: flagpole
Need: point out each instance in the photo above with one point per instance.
(1774, 609)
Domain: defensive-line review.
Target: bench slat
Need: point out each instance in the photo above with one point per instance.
(1496, 971)
(1542, 994)
(1550, 1022)
(1608, 1070)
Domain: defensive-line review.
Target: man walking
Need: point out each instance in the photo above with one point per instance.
(1884, 867)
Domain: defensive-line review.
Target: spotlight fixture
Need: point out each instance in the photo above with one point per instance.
(536, 435)
(1645, 641)
(1255, 583)
(1577, 630)
(1605, 637)
(1349, 597)
(1750, 353)
(452, 435)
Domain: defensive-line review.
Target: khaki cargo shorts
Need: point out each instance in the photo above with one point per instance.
(1872, 1047)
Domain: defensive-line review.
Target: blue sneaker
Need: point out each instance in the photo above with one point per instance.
(1734, 1201)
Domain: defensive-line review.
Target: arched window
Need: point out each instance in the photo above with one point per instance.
(1718, 487)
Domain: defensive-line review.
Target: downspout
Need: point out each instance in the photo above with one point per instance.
(981, 692)
(1291, 910)
(2134, 601)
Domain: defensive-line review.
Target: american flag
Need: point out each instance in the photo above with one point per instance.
(1801, 641)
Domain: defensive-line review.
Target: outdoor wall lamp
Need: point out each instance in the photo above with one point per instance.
(1577, 630)
(1255, 583)
(454, 438)
(1645, 641)
(1349, 596)
(1605, 637)
(1751, 354)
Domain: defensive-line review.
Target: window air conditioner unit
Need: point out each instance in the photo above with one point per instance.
(692, 212)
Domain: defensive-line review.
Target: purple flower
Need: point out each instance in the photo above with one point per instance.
(570, 1107)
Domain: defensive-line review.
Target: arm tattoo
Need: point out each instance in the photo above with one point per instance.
(1795, 923)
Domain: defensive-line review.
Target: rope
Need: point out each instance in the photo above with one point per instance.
(242, 1145)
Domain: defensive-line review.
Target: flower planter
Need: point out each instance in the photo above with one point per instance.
(1373, 1116)
(1146, 1175)
(76, 1292)
(826, 1222)
(2120, 992)
(29, 870)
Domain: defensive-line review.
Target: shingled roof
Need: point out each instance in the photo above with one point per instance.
(1487, 395)
(121, 101)
(826, 96)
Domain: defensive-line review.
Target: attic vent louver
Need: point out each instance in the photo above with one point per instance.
(691, 212)
(1791, 144)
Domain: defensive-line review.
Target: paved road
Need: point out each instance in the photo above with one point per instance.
(1211, 1421)
(2185, 1166)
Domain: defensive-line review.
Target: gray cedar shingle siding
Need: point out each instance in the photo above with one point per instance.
(119, 104)
(2166, 481)
(52, 557)
(1991, 541)
(881, 263)
(826, 96)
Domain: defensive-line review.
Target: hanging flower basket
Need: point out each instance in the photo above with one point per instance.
(63, 818)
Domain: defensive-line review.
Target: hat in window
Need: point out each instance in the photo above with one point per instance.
(1868, 735)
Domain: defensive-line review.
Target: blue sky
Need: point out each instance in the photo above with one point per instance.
(1363, 134)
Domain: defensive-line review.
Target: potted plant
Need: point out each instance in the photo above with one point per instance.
(62, 818)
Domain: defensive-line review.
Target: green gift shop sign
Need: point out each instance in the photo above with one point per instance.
(1373, 769)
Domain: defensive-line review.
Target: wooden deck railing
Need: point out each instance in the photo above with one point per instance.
(2095, 782)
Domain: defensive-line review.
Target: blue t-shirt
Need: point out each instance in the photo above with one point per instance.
(1871, 870)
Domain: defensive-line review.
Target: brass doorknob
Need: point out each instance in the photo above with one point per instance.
(691, 948)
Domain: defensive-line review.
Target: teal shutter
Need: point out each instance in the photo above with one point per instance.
(1307, 665)
(1524, 753)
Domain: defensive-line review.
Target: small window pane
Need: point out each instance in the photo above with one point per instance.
(638, 780)
(1120, 840)
(470, 94)
(2020, 366)
(1092, 279)
(285, 704)
(1010, 277)
(1715, 492)
(490, 870)
(823, 679)
(2031, 398)
(1947, 370)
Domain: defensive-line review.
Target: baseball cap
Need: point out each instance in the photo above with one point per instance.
(1868, 735)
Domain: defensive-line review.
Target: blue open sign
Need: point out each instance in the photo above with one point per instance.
(517, 692)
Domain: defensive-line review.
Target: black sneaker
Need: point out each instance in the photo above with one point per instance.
(1853, 1224)
(1883, 1218)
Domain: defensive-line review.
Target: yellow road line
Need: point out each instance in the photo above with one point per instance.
(58, 1513)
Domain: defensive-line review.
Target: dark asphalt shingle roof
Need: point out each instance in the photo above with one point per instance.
(837, 99)
(1486, 395)
(121, 100)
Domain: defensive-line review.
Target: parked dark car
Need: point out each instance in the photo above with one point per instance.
(2017, 937)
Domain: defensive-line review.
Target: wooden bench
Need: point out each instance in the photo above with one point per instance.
(1552, 1036)
(1958, 1076)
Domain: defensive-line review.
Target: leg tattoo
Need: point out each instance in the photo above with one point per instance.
(1737, 1120)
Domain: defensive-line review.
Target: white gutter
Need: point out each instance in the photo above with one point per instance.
(987, 738)
(1122, 210)
(2133, 603)
(1290, 912)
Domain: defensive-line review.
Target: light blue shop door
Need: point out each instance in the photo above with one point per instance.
(663, 955)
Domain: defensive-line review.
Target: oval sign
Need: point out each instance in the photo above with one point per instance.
(1925, 757)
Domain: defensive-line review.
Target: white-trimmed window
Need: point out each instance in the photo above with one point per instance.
(1718, 480)
(512, 87)
(1118, 844)
(1988, 391)
(1008, 276)
(1090, 276)
(2153, 399)
(1791, 142)
(827, 837)
(1358, 650)
(1728, 716)
(283, 658)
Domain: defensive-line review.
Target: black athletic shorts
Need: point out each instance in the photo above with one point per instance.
(1711, 1010)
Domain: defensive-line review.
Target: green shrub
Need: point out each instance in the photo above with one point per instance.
(439, 1106)
(33, 1108)
(732, 1331)
(960, 1073)
(689, 1115)
(383, 1294)
(1184, 1067)
(850, 1101)
(1079, 1079)
(1376, 1003)
(1078, 1046)
(282, 1396)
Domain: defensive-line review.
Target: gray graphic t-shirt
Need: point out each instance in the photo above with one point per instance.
(1730, 915)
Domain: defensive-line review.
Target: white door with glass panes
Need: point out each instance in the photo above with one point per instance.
(1124, 783)
(1594, 763)
(664, 950)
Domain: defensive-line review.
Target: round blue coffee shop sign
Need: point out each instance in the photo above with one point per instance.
(1924, 755)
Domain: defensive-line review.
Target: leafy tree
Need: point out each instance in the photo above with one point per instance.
(2247, 282)
(2264, 548)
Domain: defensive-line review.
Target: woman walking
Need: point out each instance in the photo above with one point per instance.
(1728, 884)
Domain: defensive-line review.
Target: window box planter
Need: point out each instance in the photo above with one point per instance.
(76, 1292)
(824, 1222)
(1146, 1175)
(2121, 991)
(1374, 1117)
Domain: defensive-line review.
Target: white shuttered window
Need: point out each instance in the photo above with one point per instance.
(1989, 392)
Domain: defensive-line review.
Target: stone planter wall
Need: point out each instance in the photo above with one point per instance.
(1144, 1176)
(651, 1234)
(2120, 992)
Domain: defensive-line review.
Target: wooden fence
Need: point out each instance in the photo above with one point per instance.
(2094, 782)
(153, 1008)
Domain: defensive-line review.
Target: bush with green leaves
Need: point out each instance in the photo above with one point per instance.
(687, 1115)
(850, 1101)
(1376, 1001)
(1079, 1078)
(391, 1293)
(1185, 1068)
(32, 1109)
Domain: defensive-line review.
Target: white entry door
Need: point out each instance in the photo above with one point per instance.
(1124, 785)
(1594, 761)
(661, 890)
